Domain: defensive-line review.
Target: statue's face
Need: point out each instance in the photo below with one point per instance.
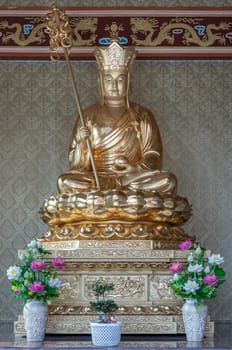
(115, 84)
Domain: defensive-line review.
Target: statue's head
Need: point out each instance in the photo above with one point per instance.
(114, 63)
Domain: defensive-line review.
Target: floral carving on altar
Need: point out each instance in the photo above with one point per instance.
(126, 287)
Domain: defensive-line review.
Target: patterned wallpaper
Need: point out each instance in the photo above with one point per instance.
(121, 3)
(192, 103)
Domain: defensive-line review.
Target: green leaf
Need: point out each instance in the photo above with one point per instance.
(219, 272)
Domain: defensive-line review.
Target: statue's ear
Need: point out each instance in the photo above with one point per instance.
(101, 90)
(128, 89)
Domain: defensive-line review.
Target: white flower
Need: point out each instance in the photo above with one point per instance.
(13, 272)
(26, 274)
(216, 259)
(195, 268)
(207, 269)
(34, 244)
(198, 250)
(190, 258)
(22, 256)
(39, 244)
(191, 286)
(175, 277)
(55, 282)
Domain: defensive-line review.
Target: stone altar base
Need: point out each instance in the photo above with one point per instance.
(140, 273)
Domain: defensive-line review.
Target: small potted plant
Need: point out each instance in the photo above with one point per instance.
(106, 331)
(196, 280)
(35, 281)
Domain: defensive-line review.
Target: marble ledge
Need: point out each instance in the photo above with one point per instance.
(221, 340)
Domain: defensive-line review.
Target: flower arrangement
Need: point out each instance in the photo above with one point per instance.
(198, 278)
(103, 305)
(36, 279)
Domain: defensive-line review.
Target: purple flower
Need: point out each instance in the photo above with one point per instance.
(37, 265)
(16, 291)
(176, 267)
(185, 245)
(36, 286)
(58, 262)
(212, 280)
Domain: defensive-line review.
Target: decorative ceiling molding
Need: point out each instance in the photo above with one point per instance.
(155, 32)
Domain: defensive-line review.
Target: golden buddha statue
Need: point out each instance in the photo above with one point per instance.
(125, 138)
(134, 198)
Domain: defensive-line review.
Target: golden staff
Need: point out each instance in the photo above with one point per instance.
(60, 34)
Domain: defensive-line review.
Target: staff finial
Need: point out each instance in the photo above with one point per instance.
(59, 31)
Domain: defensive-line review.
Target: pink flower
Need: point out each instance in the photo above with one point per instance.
(212, 280)
(36, 286)
(37, 265)
(176, 267)
(185, 245)
(58, 262)
(16, 291)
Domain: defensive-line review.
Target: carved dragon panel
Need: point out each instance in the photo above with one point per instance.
(156, 32)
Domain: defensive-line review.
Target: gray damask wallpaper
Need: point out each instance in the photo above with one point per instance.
(121, 3)
(192, 103)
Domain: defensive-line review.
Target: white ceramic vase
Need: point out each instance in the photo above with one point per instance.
(194, 317)
(35, 314)
(106, 334)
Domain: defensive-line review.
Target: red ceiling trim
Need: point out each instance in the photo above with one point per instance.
(156, 32)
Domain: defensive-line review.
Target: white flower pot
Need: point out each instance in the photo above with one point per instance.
(106, 334)
(194, 317)
(35, 314)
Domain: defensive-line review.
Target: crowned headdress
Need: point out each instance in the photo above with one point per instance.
(114, 57)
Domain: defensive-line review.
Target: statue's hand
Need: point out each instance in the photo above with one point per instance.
(84, 132)
(122, 166)
(130, 173)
